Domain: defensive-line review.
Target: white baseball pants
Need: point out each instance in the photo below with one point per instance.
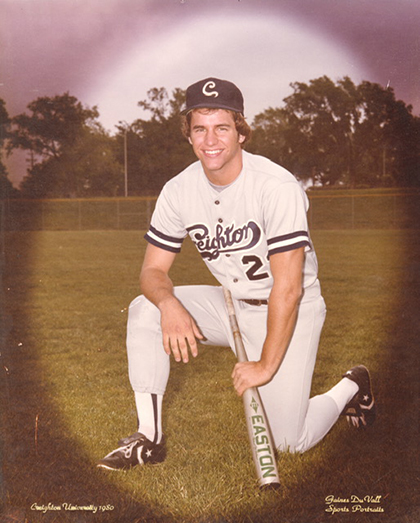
(297, 422)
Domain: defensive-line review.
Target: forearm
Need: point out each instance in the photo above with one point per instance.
(156, 286)
(283, 307)
(282, 314)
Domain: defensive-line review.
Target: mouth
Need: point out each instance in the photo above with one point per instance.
(212, 153)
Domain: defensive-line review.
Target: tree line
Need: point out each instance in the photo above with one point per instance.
(327, 133)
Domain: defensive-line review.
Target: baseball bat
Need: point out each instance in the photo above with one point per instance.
(263, 449)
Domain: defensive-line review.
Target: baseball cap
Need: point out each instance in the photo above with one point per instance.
(214, 93)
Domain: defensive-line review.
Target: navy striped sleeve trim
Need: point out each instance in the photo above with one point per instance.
(159, 239)
(288, 242)
(288, 248)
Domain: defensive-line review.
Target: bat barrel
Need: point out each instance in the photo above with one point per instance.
(263, 450)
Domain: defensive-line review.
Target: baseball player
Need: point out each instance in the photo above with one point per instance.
(247, 219)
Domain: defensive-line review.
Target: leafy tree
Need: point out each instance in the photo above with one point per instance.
(6, 187)
(86, 169)
(156, 149)
(54, 124)
(73, 155)
(388, 138)
(340, 132)
(270, 137)
(316, 125)
(4, 122)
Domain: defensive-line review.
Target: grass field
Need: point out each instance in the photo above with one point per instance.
(66, 398)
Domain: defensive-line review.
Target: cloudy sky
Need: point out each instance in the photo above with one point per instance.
(108, 53)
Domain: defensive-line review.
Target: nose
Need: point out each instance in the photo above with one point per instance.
(211, 137)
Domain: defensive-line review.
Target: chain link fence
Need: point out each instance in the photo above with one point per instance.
(398, 210)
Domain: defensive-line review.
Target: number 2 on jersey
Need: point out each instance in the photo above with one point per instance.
(252, 272)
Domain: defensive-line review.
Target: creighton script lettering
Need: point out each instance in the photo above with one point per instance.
(225, 240)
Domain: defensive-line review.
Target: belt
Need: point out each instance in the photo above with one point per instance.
(256, 302)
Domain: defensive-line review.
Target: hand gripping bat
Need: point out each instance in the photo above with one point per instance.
(263, 449)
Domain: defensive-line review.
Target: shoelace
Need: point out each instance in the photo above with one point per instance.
(128, 450)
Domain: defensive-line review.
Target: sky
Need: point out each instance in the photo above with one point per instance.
(109, 53)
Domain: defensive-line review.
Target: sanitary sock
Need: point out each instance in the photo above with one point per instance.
(149, 414)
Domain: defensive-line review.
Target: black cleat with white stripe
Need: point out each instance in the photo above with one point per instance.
(134, 450)
(361, 410)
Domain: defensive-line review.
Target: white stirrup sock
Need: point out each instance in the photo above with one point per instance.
(149, 414)
(343, 392)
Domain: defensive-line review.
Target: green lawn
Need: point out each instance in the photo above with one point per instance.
(67, 399)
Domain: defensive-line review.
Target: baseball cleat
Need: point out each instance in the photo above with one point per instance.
(361, 410)
(134, 450)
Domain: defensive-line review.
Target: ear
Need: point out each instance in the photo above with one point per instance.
(241, 138)
(189, 139)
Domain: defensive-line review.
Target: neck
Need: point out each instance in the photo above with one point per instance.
(226, 175)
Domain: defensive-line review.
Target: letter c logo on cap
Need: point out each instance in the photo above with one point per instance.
(210, 85)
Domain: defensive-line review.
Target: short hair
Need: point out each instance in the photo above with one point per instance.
(241, 125)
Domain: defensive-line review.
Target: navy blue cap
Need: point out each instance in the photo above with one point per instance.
(213, 93)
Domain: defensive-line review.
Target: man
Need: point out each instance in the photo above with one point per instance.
(247, 218)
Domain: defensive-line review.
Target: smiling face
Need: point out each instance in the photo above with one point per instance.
(217, 144)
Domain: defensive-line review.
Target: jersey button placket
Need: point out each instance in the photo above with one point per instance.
(227, 264)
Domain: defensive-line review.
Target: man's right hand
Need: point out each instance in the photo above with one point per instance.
(179, 330)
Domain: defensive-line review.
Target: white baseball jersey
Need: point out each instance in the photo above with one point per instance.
(235, 230)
